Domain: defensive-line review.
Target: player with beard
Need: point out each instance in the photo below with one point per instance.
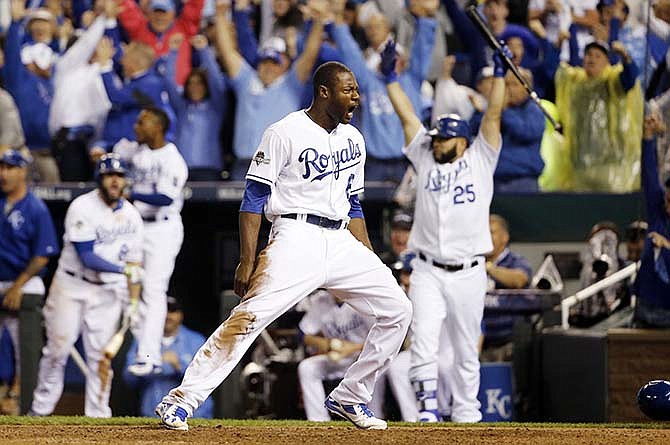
(450, 237)
(97, 272)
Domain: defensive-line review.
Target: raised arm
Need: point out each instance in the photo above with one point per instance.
(84, 47)
(174, 90)
(246, 39)
(215, 79)
(401, 103)
(318, 10)
(232, 60)
(190, 15)
(490, 128)
(133, 20)
(424, 40)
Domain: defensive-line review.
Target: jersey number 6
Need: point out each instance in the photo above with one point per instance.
(461, 195)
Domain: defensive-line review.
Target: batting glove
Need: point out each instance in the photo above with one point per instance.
(387, 65)
(134, 273)
(499, 65)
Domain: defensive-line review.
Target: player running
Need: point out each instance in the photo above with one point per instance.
(306, 175)
(450, 235)
(97, 272)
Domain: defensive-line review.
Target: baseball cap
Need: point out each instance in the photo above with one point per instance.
(40, 14)
(604, 3)
(402, 220)
(602, 46)
(272, 49)
(173, 304)
(15, 158)
(162, 5)
(636, 230)
(39, 53)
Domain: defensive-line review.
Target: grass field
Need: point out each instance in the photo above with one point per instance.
(134, 430)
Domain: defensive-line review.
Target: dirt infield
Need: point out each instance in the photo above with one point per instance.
(324, 435)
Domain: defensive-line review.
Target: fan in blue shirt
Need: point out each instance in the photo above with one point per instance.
(652, 284)
(200, 107)
(272, 90)
(505, 270)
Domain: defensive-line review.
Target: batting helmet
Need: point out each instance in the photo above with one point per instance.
(111, 163)
(451, 126)
(654, 399)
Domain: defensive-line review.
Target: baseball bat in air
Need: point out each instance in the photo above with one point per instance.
(478, 20)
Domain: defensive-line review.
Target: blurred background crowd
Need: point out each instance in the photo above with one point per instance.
(75, 74)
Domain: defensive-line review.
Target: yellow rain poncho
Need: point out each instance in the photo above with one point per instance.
(602, 129)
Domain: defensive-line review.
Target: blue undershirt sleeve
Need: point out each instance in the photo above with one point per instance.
(255, 195)
(356, 211)
(154, 199)
(93, 261)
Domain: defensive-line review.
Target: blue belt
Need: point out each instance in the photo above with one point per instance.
(447, 267)
(326, 223)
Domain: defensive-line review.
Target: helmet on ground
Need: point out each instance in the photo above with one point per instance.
(654, 399)
(110, 163)
(451, 126)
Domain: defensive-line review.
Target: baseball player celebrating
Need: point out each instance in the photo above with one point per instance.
(97, 272)
(159, 173)
(27, 240)
(306, 174)
(336, 332)
(450, 235)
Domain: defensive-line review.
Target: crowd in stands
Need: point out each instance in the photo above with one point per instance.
(78, 72)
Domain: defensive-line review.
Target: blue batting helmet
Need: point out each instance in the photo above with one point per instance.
(111, 163)
(654, 399)
(451, 126)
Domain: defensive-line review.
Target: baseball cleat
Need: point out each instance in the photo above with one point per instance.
(173, 416)
(358, 414)
(143, 369)
(430, 416)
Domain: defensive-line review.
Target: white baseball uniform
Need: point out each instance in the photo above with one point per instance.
(84, 301)
(311, 172)
(451, 229)
(161, 171)
(330, 319)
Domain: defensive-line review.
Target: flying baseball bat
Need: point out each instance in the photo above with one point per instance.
(479, 22)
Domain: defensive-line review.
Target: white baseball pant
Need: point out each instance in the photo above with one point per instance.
(302, 257)
(455, 299)
(312, 371)
(75, 306)
(162, 243)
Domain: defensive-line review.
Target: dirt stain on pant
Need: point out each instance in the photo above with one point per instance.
(260, 275)
(235, 327)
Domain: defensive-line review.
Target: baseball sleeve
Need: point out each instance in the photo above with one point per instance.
(172, 179)
(484, 153)
(271, 155)
(78, 227)
(416, 150)
(357, 184)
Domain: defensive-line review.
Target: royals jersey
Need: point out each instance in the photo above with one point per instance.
(26, 231)
(451, 220)
(334, 320)
(309, 169)
(116, 233)
(160, 171)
